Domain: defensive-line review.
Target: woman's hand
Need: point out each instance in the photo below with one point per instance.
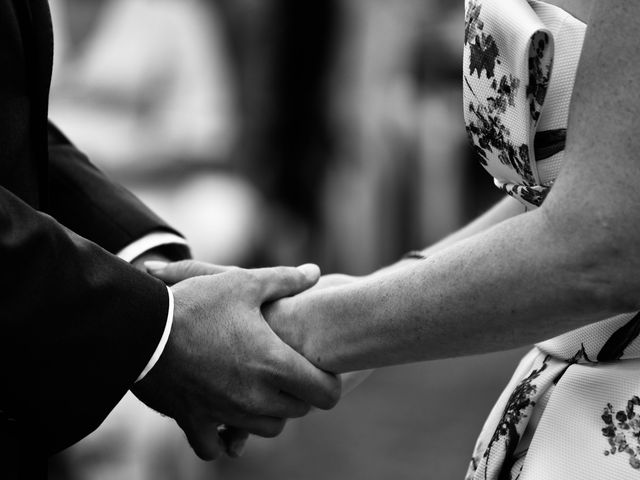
(290, 317)
(287, 319)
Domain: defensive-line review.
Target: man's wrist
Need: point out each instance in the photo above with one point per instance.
(163, 340)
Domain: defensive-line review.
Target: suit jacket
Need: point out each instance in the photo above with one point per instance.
(78, 325)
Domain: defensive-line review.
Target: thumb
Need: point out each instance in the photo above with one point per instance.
(278, 282)
(175, 272)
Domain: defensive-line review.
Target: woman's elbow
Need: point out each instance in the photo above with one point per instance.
(603, 261)
(609, 273)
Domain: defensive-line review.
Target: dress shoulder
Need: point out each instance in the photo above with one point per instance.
(520, 60)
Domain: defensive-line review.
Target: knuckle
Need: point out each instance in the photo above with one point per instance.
(206, 448)
(234, 269)
(300, 410)
(285, 272)
(331, 395)
(179, 266)
(272, 428)
(272, 361)
(287, 275)
(240, 274)
(249, 281)
(250, 402)
(208, 454)
(245, 404)
(201, 268)
(278, 359)
(182, 263)
(193, 265)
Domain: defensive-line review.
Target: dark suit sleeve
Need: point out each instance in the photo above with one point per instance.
(87, 202)
(78, 326)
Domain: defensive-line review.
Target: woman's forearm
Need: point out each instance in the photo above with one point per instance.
(333, 304)
(515, 284)
(506, 208)
(533, 276)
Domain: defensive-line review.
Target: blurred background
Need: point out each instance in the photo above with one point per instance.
(279, 132)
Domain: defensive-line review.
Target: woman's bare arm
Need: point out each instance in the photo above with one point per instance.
(506, 208)
(533, 276)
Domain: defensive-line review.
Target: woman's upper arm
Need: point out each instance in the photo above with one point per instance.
(594, 202)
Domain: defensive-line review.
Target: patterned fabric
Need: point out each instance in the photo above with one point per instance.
(572, 408)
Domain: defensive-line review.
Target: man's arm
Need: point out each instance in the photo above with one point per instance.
(224, 366)
(221, 363)
(89, 203)
(79, 325)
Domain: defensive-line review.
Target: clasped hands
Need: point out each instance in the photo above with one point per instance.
(224, 373)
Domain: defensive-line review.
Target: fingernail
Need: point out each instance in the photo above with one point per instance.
(155, 265)
(310, 270)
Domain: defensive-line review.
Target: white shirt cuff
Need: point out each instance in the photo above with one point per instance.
(146, 243)
(163, 339)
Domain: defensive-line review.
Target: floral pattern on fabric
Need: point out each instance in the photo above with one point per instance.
(484, 51)
(539, 73)
(518, 407)
(622, 431)
(508, 56)
(485, 122)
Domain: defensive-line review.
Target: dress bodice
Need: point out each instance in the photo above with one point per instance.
(571, 408)
(520, 61)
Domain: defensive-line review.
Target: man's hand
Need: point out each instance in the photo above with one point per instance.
(281, 314)
(224, 365)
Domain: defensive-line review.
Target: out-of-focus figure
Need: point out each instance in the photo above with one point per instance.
(283, 55)
(144, 87)
(151, 75)
(400, 154)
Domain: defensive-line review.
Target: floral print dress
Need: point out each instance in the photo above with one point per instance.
(572, 408)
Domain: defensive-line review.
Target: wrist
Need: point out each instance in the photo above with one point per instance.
(163, 339)
(322, 325)
(281, 317)
(346, 326)
(152, 389)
